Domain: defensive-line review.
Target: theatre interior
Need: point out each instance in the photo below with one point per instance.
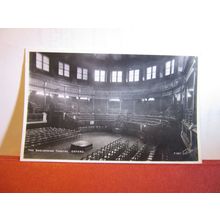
(111, 107)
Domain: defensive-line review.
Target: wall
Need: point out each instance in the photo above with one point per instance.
(107, 63)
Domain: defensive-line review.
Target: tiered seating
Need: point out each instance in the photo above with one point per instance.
(106, 117)
(142, 154)
(152, 121)
(147, 119)
(128, 153)
(109, 152)
(40, 137)
(85, 117)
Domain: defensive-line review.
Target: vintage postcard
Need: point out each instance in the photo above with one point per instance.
(117, 108)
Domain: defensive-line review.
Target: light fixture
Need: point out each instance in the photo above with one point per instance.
(151, 99)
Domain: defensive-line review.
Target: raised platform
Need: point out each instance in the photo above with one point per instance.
(81, 145)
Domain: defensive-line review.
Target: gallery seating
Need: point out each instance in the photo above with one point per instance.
(109, 152)
(149, 120)
(128, 153)
(141, 154)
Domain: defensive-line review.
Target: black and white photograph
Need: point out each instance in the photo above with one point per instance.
(115, 108)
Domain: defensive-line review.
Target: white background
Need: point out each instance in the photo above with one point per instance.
(109, 207)
(140, 27)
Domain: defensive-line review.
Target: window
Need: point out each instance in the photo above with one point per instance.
(85, 74)
(169, 67)
(79, 73)
(151, 72)
(180, 64)
(167, 70)
(133, 76)
(144, 100)
(99, 75)
(64, 69)
(42, 62)
(116, 76)
(172, 69)
(151, 99)
(82, 73)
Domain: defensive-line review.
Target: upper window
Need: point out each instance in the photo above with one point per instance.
(116, 76)
(133, 76)
(100, 76)
(64, 69)
(170, 67)
(180, 64)
(151, 72)
(42, 62)
(82, 73)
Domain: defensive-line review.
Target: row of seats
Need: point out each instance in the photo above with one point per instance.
(142, 154)
(106, 117)
(148, 120)
(109, 152)
(39, 137)
(85, 117)
(154, 120)
(118, 150)
(128, 153)
(97, 117)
